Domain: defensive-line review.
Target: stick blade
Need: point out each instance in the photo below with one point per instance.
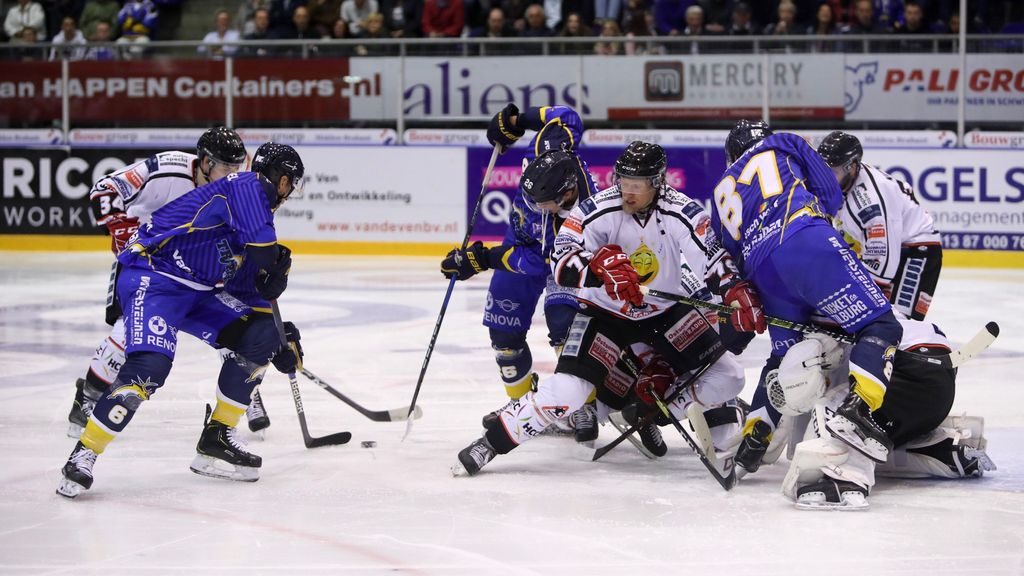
(981, 341)
(335, 439)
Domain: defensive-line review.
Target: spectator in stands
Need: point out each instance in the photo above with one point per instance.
(497, 27)
(639, 32)
(96, 11)
(515, 12)
(443, 18)
(260, 32)
(246, 15)
(29, 49)
(374, 30)
(913, 23)
(670, 16)
(323, 14)
(825, 21)
(536, 23)
(785, 21)
(338, 32)
(102, 33)
(25, 14)
(582, 8)
(574, 28)
(740, 21)
(605, 10)
(282, 13)
(863, 20)
(403, 18)
(355, 12)
(716, 15)
(300, 29)
(887, 13)
(69, 42)
(213, 42)
(611, 46)
(135, 23)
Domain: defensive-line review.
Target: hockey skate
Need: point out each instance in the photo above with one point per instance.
(853, 424)
(831, 494)
(77, 473)
(85, 399)
(584, 423)
(220, 453)
(651, 443)
(256, 414)
(474, 457)
(962, 460)
(752, 448)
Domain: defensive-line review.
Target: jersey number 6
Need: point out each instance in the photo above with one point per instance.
(730, 204)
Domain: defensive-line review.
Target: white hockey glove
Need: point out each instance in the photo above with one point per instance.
(800, 379)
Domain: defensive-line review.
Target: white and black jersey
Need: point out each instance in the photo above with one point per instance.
(671, 246)
(139, 189)
(880, 217)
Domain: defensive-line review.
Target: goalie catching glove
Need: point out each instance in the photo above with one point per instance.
(620, 279)
(464, 263)
(288, 359)
(800, 381)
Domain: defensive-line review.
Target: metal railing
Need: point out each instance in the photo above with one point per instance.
(409, 52)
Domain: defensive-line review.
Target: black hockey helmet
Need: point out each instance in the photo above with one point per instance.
(273, 161)
(642, 160)
(744, 135)
(840, 149)
(221, 144)
(548, 178)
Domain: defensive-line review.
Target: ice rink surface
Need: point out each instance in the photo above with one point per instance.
(395, 508)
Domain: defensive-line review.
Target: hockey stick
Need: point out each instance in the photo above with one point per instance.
(982, 340)
(646, 419)
(393, 415)
(447, 295)
(726, 482)
(310, 441)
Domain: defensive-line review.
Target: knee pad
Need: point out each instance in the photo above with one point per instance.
(258, 341)
(559, 318)
(512, 353)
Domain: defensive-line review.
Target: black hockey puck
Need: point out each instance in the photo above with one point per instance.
(368, 444)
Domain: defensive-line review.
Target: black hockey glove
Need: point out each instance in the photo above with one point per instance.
(288, 359)
(273, 279)
(466, 263)
(501, 132)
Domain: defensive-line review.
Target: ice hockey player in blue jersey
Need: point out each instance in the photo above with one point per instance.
(772, 211)
(560, 179)
(172, 268)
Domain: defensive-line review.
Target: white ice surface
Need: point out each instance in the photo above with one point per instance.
(395, 508)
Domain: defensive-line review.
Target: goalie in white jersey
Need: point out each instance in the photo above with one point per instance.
(122, 201)
(887, 227)
(639, 232)
(929, 443)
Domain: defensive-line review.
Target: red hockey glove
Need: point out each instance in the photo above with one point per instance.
(621, 282)
(748, 315)
(121, 229)
(655, 378)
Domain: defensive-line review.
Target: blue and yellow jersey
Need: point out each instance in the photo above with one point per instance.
(530, 235)
(201, 236)
(774, 189)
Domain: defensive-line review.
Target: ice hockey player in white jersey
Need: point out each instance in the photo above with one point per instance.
(887, 227)
(824, 472)
(638, 232)
(122, 201)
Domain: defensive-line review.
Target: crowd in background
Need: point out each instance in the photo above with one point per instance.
(70, 27)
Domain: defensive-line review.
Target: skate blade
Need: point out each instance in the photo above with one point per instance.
(866, 446)
(74, 430)
(850, 503)
(259, 425)
(214, 468)
(69, 489)
(260, 435)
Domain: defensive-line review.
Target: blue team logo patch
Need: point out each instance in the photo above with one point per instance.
(507, 305)
(587, 206)
(692, 210)
(867, 214)
(152, 164)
